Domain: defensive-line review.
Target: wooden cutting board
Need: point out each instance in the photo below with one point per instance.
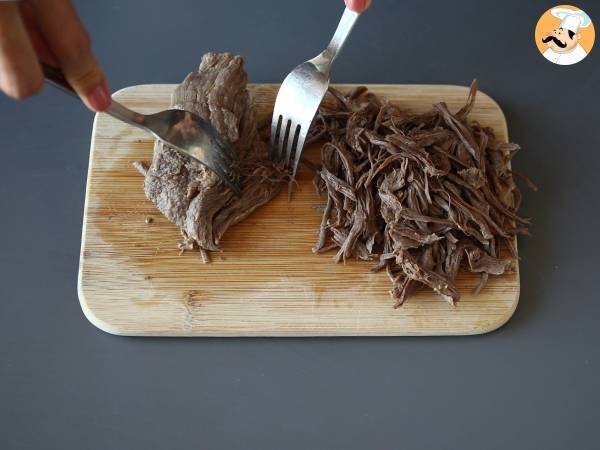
(266, 282)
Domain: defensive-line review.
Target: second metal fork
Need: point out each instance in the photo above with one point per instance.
(301, 94)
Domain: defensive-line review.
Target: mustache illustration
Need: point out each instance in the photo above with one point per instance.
(556, 41)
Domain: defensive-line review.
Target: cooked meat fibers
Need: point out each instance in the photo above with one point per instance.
(185, 191)
(424, 193)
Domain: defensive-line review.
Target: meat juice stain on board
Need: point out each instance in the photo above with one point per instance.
(152, 255)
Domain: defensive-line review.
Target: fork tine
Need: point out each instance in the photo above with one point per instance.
(289, 151)
(283, 133)
(275, 126)
(299, 148)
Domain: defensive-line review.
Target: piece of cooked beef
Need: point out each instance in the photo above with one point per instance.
(188, 193)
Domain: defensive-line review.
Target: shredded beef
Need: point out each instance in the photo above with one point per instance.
(423, 193)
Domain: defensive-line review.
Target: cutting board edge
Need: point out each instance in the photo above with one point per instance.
(124, 331)
(115, 329)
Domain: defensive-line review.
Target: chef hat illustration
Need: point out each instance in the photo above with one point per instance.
(572, 19)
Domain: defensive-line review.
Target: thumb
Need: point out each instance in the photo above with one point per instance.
(70, 43)
(89, 82)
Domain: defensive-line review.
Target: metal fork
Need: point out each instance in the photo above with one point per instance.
(301, 94)
(181, 130)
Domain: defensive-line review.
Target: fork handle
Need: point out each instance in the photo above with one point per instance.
(342, 32)
(57, 79)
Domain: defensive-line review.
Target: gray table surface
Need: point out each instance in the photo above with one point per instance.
(532, 384)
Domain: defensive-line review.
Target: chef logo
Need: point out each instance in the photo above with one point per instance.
(565, 35)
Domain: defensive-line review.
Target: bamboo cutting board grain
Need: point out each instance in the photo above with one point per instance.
(266, 282)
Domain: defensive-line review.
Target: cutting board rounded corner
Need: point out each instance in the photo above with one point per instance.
(91, 316)
(500, 321)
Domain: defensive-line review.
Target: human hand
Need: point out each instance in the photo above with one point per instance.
(50, 31)
(358, 5)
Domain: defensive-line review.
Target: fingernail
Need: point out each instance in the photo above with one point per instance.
(99, 99)
(358, 5)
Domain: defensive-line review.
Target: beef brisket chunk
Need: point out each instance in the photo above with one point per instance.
(188, 193)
